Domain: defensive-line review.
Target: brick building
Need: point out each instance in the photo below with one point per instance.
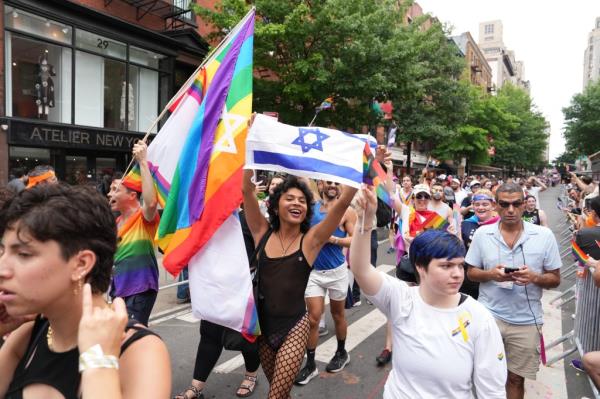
(477, 69)
(82, 79)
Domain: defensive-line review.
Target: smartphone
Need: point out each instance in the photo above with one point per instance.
(508, 270)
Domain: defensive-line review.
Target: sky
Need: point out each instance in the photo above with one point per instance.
(550, 36)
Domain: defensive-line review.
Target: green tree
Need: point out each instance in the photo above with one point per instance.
(353, 50)
(315, 50)
(485, 124)
(582, 120)
(521, 147)
(430, 100)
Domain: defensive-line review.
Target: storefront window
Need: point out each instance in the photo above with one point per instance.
(37, 25)
(76, 170)
(28, 158)
(38, 79)
(143, 94)
(99, 91)
(145, 57)
(100, 44)
(117, 86)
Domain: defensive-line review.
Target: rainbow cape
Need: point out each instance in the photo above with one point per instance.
(435, 221)
(374, 175)
(196, 161)
(580, 256)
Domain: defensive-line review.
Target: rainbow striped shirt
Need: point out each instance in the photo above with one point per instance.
(136, 269)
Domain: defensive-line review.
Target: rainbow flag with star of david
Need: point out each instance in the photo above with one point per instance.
(196, 159)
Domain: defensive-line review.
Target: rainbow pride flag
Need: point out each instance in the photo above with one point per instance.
(374, 175)
(196, 159)
(133, 181)
(580, 256)
(435, 221)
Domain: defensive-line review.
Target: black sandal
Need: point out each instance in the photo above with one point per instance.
(248, 387)
(197, 393)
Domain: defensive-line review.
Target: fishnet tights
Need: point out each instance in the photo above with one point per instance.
(282, 366)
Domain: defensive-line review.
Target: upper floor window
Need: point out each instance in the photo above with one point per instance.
(489, 29)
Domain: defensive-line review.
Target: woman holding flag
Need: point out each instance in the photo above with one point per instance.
(464, 350)
(287, 247)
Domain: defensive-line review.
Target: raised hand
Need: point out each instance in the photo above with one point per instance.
(101, 325)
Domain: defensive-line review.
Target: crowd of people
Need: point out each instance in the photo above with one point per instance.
(473, 254)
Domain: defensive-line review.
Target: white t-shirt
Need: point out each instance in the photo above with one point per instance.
(535, 191)
(441, 209)
(459, 196)
(435, 359)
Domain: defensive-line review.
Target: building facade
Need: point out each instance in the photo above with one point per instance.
(83, 80)
(477, 68)
(505, 68)
(591, 58)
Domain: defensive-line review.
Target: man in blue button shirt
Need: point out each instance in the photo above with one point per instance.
(514, 260)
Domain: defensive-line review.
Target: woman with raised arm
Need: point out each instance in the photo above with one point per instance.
(449, 342)
(287, 247)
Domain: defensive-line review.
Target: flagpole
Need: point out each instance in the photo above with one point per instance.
(315, 117)
(211, 56)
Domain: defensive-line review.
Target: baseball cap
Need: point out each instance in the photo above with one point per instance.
(474, 183)
(455, 180)
(421, 188)
(442, 177)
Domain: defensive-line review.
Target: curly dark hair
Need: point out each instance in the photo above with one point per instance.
(289, 183)
(76, 217)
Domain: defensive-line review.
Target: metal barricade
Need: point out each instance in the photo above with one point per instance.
(587, 318)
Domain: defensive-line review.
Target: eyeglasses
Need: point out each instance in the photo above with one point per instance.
(422, 196)
(506, 204)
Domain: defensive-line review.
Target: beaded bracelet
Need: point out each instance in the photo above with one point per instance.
(94, 358)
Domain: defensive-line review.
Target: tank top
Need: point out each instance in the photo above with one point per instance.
(281, 285)
(532, 217)
(330, 256)
(59, 370)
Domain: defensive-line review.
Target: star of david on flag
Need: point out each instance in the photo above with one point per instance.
(306, 146)
(300, 151)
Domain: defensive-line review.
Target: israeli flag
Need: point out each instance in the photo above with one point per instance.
(312, 152)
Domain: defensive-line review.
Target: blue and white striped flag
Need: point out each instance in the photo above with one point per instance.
(313, 152)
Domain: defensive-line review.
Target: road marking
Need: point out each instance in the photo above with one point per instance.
(357, 333)
(190, 318)
(169, 317)
(170, 310)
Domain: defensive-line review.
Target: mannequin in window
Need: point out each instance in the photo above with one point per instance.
(127, 124)
(44, 86)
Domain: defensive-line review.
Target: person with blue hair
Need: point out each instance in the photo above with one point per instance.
(450, 343)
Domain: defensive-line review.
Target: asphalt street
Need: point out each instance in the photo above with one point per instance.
(361, 378)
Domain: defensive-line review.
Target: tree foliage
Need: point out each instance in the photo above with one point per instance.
(486, 125)
(357, 50)
(523, 146)
(582, 120)
(353, 50)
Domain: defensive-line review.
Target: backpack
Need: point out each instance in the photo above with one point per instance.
(383, 214)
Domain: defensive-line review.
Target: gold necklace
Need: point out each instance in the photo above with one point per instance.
(50, 338)
(290, 244)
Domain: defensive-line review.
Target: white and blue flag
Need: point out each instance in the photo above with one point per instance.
(313, 152)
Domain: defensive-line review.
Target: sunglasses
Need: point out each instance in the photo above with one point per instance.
(331, 183)
(506, 204)
(421, 196)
